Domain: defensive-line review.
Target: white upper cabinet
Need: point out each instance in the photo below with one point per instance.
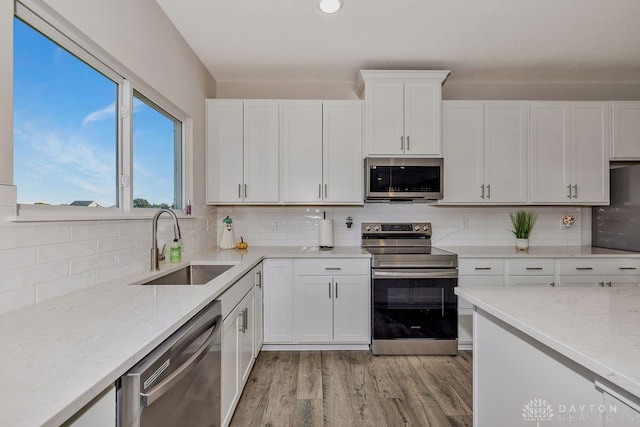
(569, 153)
(625, 143)
(242, 151)
(402, 112)
(485, 151)
(321, 149)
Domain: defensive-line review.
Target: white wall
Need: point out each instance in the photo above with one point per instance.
(486, 226)
(453, 89)
(40, 260)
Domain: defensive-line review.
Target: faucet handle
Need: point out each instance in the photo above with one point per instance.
(161, 256)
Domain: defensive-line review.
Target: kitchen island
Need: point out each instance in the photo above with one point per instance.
(555, 356)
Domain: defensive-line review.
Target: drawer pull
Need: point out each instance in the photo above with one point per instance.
(333, 268)
(584, 268)
(483, 268)
(627, 268)
(534, 268)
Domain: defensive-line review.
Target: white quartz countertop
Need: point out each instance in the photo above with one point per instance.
(58, 355)
(598, 328)
(538, 252)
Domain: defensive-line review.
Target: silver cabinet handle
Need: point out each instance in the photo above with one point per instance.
(488, 191)
(165, 385)
(246, 319)
(569, 187)
(336, 290)
(239, 191)
(319, 191)
(482, 186)
(329, 290)
(407, 142)
(534, 268)
(245, 191)
(552, 284)
(608, 284)
(627, 268)
(575, 191)
(401, 142)
(259, 277)
(333, 268)
(325, 191)
(584, 268)
(483, 268)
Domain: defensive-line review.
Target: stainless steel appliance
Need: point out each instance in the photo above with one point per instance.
(403, 179)
(617, 226)
(178, 383)
(414, 308)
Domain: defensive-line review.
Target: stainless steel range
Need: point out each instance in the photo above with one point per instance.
(414, 308)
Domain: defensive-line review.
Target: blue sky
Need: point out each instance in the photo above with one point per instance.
(65, 130)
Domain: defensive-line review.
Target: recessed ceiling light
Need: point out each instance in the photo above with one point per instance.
(330, 6)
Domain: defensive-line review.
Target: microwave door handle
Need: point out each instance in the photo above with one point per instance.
(165, 385)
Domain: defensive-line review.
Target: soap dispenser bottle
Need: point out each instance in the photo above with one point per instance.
(175, 252)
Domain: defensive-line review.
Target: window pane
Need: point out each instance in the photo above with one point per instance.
(65, 126)
(157, 156)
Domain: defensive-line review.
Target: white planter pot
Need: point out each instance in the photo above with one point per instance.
(522, 244)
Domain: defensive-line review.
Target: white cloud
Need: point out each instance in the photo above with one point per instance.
(104, 113)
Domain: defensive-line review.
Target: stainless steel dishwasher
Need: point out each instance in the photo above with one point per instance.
(178, 383)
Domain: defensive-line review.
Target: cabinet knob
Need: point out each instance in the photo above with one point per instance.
(552, 284)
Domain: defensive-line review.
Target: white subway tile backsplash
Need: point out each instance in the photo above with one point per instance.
(94, 231)
(55, 288)
(116, 244)
(17, 298)
(20, 237)
(90, 263)
(17, 258)
(43, 272)
(50, 253)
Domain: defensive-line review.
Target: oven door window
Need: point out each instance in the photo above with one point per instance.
(415, 308)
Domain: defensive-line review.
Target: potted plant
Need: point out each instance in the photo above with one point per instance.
(523, 222)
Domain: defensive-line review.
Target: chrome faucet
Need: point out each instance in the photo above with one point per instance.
(155, 258)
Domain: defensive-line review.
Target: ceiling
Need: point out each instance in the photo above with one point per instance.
(481, 40)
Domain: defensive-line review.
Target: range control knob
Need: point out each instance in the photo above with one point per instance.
(367, 228)
(425, 227)
(376, 228)
(417, 228)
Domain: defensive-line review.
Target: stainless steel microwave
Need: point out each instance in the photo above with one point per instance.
(402, 179)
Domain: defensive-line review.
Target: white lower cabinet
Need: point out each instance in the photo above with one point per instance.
(278, 301)
(259, 309)
(238, 342)
(100, 412)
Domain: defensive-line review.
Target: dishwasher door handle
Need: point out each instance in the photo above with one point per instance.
(165, 385)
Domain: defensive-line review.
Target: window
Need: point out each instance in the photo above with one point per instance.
(65, 128)
(71, 147)
(157, 156)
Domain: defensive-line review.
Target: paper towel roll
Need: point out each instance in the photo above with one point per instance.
(326, 233)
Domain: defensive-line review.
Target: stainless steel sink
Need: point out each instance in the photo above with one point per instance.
(198, 274)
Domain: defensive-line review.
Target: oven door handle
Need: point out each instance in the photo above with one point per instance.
(451, 273)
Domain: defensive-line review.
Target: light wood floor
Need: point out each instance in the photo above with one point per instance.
(354, 388)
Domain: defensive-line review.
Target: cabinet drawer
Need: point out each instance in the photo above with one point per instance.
(332, 267)
(530, 267)
(481, 267)
(598, 266)
(477, 281)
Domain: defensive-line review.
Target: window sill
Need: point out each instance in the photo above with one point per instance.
(31, 213)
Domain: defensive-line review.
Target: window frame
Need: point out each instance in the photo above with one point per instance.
(45, 20)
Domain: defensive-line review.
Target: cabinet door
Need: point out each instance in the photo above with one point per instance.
(550, 163)
(314, 305)
(224, 151)
(342, 151)
(626, 130)
(505, 152)
(278, 301)
(258, 319)
(590, 152)
(463, 151)
(245, 338)
(229, 381)
(622, 281)
(622, 408)
(301, 150)
(580, 281)
(351, 309)
(261, 173)
(384, 118)
(100, 412)
(535, 281)
(422, 117)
